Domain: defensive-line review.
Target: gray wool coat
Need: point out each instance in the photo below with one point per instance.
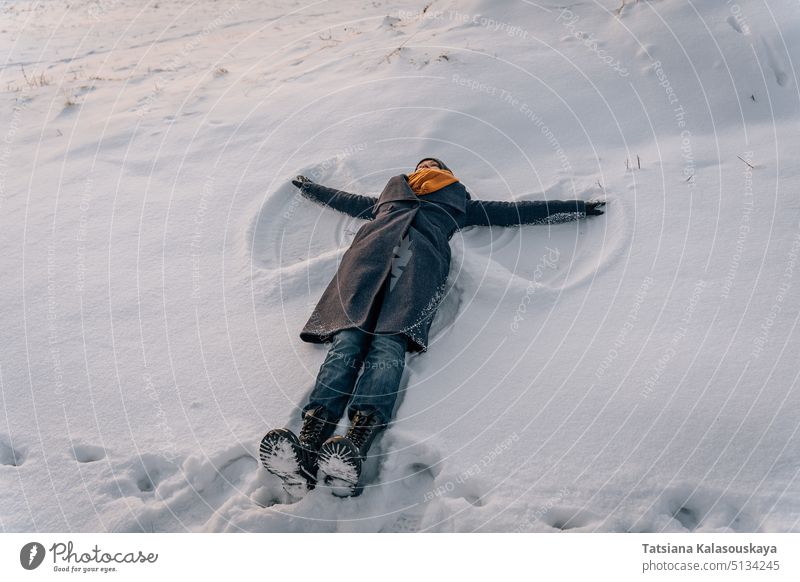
(393, 276)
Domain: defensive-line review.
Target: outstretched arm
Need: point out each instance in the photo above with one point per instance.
(355, 205)
(499, 213)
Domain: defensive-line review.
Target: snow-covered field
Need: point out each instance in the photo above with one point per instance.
(631, 372)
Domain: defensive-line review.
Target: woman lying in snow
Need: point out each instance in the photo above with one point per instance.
(379, 305)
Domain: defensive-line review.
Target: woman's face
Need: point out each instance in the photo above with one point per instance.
(428, 164)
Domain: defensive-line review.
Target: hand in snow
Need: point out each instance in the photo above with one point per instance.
(593, 208)
(300, 181)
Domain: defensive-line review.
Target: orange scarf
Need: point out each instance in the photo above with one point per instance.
(429, 180)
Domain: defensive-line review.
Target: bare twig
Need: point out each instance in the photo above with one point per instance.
(752, 167)
(398, 49)
(618, 11)
(24, 75)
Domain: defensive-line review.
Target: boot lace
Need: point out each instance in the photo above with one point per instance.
(312, 429)
(361, 429)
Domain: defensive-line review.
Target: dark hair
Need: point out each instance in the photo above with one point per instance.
(437, 160)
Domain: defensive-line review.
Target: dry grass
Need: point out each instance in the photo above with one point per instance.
(36, 80)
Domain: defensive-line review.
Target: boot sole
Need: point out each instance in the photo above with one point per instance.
(280, 454)
(340, 468)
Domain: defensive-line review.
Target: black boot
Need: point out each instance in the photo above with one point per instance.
(293, 458)
(341, 458)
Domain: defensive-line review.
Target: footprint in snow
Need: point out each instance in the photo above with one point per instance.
(567, 518)
(689, 518)
(734, 24)
(139, 476)
(184, 495)
(698, 509)
(775, 62)
(86, 453)
(408, 478)
(9, 455)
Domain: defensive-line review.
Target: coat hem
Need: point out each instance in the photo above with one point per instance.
(323, 338)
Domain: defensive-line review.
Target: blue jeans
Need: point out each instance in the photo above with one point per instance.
(383, 358)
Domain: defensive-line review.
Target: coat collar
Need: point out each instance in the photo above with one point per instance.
(397, 190)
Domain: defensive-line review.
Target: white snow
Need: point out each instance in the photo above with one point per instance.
(631, 372)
